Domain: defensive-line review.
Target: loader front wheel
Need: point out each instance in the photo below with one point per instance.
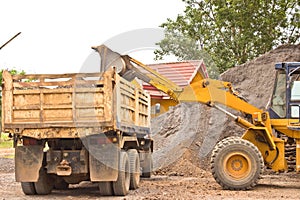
(236, 164)
(121, 186)
(28, 188)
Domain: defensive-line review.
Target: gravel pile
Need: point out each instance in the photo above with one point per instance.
(185, 135)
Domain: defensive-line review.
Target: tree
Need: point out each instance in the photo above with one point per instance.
(12, 72)
(230, 31)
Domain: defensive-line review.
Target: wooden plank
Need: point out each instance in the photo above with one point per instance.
(84, 90)
(53, 107)
(57, 98)
(7, 100)
(27, 107)
(108, 97)
(58, 83)
(35, 85)
(29, 91)
(42, 114)
(57, 115)
(137, 108)
(127, 107)
(55, 76)
(56, 90)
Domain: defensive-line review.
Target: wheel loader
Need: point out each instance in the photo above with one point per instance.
(271, 138)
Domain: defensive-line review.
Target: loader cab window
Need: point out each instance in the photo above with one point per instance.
(278, 103)
(294, 84)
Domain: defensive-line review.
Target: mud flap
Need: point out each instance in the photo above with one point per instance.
(103, 162)
(28, 161)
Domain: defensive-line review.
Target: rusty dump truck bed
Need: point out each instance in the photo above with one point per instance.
(67, 105)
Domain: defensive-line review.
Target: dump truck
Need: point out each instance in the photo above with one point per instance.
(271, 138)
(69, 128)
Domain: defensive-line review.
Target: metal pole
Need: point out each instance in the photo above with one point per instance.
(10, 40)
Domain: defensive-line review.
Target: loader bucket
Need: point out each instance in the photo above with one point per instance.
(109, 58)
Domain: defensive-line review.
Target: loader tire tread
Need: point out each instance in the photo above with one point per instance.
(236, 146)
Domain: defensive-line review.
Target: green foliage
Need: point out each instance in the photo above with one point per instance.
(5, 141)
(231, 32)
(12, 72)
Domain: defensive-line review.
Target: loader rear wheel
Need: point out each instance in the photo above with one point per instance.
(134, 162)
(28, 188)
(236, 164)
(106, 188)
(121, 186)
(45, 184)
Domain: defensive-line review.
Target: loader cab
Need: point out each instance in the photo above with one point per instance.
(285, 102)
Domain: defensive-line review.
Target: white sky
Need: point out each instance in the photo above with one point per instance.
(57, 35)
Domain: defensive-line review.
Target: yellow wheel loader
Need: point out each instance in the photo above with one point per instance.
(236, 162)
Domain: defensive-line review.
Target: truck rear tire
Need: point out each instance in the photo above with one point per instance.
(61, 184)
(236, 164)
(45, 184)
(106, 188)
(135, 173)
(28, 188)
(121, 186)
(147, 165)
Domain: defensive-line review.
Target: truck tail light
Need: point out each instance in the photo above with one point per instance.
(29, 141)
(106, 140)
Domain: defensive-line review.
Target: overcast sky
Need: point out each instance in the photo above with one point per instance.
(57, 35)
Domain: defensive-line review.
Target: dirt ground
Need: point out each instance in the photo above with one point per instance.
(168, 186)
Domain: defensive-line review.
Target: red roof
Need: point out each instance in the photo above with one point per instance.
(180, 73)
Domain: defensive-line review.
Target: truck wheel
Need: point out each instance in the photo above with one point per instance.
(106, 188)
(28, 188)
(45, 184)
(236, 164)
(147, 165)
(121, 186)
(61, 184)
(134, 161)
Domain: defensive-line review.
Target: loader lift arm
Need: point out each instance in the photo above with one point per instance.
(238, 168)
(201, 89)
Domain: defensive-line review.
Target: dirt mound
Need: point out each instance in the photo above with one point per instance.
(255, 79)
(185, 136)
